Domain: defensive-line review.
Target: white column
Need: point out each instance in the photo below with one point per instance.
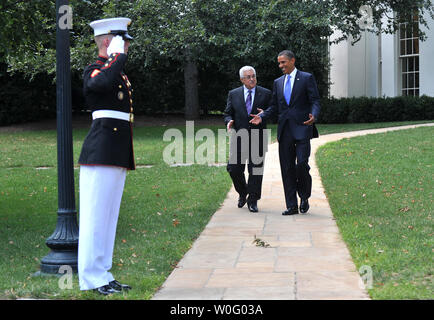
(339, 67)
(426, 60)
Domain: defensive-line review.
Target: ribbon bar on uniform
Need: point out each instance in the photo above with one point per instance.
(111, 114)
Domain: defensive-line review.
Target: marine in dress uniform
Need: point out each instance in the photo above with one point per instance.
(106, 155)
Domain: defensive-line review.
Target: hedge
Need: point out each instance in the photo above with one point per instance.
(23, 100)
(27, 100)
(365, 110)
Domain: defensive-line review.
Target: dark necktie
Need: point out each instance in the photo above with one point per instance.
(249, 102)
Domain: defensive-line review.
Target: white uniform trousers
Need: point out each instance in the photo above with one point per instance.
(101, 189)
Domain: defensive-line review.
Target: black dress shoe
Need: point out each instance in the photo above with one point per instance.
(118, 286)
(304, 205)
(106, 290)
(242, 201)
(290, 211)
(252, 205)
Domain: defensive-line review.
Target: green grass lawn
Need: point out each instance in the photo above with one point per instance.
(380, 189)
(163, 211)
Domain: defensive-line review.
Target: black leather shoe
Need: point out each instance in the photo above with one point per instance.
(290, 211)
(304, 205)
(118, 286)
(252, 205)
(106, 290)
(242, 201)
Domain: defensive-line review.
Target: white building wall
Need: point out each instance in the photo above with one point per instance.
(339, 67)
(426, 61)
(354, 68)
(372, 66)
(389, 65)
(357, 67)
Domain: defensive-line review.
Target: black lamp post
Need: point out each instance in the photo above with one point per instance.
(64, 240)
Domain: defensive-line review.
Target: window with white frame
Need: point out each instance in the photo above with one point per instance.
(409, 57)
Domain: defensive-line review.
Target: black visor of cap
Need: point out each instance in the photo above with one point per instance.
(122, 33)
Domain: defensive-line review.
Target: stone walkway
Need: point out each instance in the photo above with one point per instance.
(306, 257)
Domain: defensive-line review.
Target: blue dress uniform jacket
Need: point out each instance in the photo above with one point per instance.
(106, 87)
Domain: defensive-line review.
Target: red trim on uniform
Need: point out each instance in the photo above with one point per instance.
(114, 59)
(101, 60)
(102, 165)
(95, 73)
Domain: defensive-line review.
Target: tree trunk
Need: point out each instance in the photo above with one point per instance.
(191, 91)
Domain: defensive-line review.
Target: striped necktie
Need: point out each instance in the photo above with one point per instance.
(249, 102)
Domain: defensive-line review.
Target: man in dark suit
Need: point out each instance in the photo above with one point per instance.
(247, 141)
(296, 101)
(106, 155)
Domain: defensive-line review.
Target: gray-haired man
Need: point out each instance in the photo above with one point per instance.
(248, 142)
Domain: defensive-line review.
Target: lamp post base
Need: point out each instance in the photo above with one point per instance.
(52, 262)
(63, 244)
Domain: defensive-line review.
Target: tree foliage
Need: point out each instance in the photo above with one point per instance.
(204, 42)
(203, 30)
(386, 15)
(29, 34)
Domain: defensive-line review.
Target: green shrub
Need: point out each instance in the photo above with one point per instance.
(334, 110)
(24, 100)
(366, 110)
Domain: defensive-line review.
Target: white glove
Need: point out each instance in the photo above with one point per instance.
(116, 46)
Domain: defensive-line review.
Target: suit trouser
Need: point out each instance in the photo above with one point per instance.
(101, 191)
(254, 155)
(253, 186)
(294, 156)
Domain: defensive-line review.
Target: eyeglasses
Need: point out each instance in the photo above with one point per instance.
(250, 77)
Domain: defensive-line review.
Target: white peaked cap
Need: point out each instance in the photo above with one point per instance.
(117, 26)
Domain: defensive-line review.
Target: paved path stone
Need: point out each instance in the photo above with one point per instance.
(306, 257)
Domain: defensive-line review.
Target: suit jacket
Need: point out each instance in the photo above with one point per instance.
(236, 110)
(236, 107)
(304, 100)
(106, 87)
